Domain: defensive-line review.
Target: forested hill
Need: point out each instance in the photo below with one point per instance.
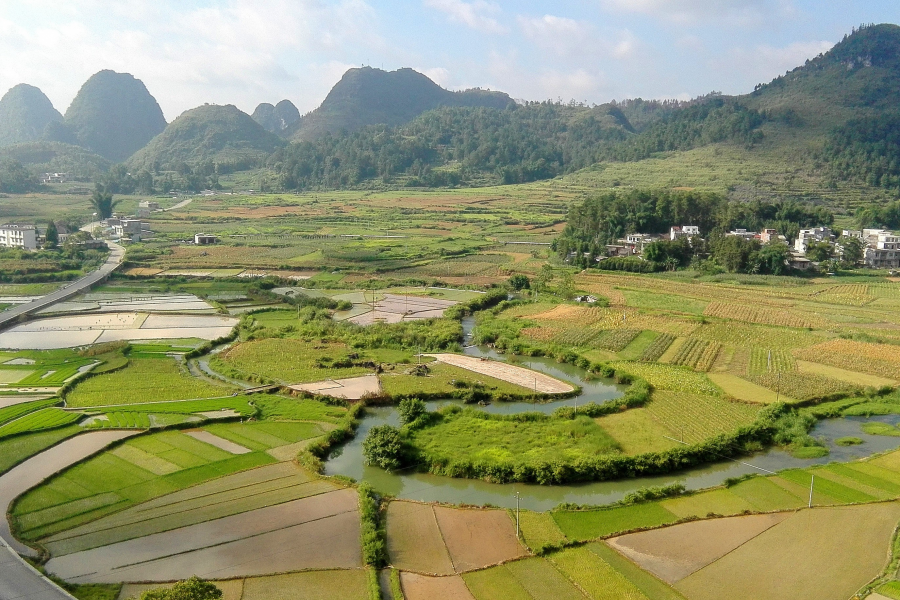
(368, 96)
(458, 145)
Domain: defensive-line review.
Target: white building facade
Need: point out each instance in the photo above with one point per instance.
(18, 236)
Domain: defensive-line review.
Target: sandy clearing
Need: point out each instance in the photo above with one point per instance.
(220, 443)
(36, 469)
(376, 316)
(351, 389)
(673, 553)
(414, 539)
(420, 587)
(289, 535)
(232, 589)
(478, 538)
(290, 452)
(526, 378)
(803, 558)
(877, 596)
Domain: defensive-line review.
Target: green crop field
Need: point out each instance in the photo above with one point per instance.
(539, 529)
(265, 435)
(287, 360)
(591, 524)
(16, 411)
(16, 449)
(440, 381)
(464, 436)
(594, 575)
(45, 418)
(143, 380)
(239, 404)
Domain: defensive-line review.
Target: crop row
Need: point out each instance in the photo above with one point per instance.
(47, 418)
(240, 404)
(616, 339)
(15, 411)
(697, 354)
(657, 347)
(875, 359)
(746, 334)
(611, 318)
(770, 360)
(51, 376)
(576, 336)
(762, 315)
(697, 417)
(801, 386)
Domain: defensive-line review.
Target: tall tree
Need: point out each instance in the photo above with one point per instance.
(52, 235)
(103, 202)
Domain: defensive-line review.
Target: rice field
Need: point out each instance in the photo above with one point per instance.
(697, 354)
(696, 417)
(875, 359)
(45, 418)
(670, 377)
(287, 360)
(143, 380)
(594, 575)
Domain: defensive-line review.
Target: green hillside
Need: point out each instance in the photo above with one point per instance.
(56, 157)
(24, 114)
(368, 96)
(114, 115)
(222, 135)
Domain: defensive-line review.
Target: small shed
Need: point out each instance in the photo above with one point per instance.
(204, 239)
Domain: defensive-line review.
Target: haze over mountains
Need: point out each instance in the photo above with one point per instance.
(828, 118)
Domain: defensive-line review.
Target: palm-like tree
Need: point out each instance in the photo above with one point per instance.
(103, 202)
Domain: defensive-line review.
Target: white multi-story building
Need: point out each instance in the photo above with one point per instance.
(884, 252)
(129, 228)
(818, 234)
(743, 233)
(687, 231)
(18, 236)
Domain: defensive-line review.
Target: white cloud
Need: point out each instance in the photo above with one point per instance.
(578, 40)
(478, 15)
(235, 51)
(763, 63)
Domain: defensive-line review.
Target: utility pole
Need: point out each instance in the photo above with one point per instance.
(812, 483)
(778, 387)
(518, 534)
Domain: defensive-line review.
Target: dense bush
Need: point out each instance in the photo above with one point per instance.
(190, 589)
(383, 447)
(411, 409)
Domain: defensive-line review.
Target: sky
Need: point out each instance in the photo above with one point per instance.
(243, 52)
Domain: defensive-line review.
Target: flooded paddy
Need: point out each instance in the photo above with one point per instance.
(280, 538)
(119, 302)
(81, 330)
(41, 466)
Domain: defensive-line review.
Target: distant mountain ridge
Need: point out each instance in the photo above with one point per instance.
(25, 112)
(276, 119)
(114, 115)
(368, 96)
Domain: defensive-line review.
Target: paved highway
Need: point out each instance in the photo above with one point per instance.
(21, 581)
(117, 253)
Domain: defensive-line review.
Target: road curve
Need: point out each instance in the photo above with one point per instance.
(117, 253)
(18, 579)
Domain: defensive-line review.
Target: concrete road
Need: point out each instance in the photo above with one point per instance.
(117, 253)
(21, 581)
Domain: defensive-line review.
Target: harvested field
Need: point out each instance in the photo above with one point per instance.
(414, 540)
(350, 389)
(220, 443)
(420, 587)
(41, 466)
(287, 537)
(803, 557)
(349, 584)
(478, 538)
(673, 553)
(851, 377)
(528, 379)
(745, 390)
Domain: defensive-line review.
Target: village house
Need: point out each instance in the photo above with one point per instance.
(18, 236)
(817, 234)
(687, 231)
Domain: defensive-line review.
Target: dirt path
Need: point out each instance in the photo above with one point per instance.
(526, 378)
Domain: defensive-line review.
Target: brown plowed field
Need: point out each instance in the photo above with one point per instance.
(478, 538)
(673, 553)
(420, 587)
(414, 540)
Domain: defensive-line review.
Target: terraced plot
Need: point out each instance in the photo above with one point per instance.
(286, 537)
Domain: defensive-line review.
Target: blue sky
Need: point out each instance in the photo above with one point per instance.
(244, 52)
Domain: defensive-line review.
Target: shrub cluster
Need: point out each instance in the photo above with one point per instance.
(374, 546)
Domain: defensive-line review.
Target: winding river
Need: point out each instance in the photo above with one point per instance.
(347, 459)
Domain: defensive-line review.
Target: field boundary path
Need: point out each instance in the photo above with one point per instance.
(18, 579)
(117, 253)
